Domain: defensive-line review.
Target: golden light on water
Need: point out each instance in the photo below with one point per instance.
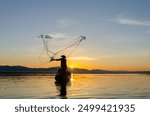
(72, 77)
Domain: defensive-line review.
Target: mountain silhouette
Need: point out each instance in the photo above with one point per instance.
(22, 70)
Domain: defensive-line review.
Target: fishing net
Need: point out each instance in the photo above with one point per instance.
(56, 45)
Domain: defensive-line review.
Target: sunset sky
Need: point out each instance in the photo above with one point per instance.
(117, 31)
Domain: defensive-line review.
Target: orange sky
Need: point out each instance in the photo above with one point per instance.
(118, 35)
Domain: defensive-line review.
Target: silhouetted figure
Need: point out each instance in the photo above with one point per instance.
(63, 62)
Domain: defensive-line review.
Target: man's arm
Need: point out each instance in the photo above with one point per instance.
(52, 59)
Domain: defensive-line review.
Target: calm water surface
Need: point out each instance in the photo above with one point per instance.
(81, 86)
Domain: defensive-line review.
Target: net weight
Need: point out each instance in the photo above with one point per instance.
(106, 108)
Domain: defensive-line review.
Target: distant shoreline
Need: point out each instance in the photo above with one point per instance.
(25, 71)
(52, 73)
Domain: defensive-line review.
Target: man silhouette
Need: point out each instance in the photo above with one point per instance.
(63, 62)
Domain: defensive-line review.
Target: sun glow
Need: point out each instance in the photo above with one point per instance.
(72, 67)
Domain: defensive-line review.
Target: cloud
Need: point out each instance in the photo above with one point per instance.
(129, 21)
(148, 32)
(61, 35)
(82, 58)
(63, 23)
(61, 39)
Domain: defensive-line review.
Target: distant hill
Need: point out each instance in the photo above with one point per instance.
(25, 69)
(22, 70)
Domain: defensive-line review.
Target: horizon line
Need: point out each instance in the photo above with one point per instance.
(76, 68)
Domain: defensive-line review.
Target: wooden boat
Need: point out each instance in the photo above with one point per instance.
(62, 77)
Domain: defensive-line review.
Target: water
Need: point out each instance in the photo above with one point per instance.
(103, 86)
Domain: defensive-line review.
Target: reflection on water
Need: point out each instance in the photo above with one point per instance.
(81, 86)
(62, 89)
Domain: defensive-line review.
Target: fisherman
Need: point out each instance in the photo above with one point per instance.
(63, 63)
